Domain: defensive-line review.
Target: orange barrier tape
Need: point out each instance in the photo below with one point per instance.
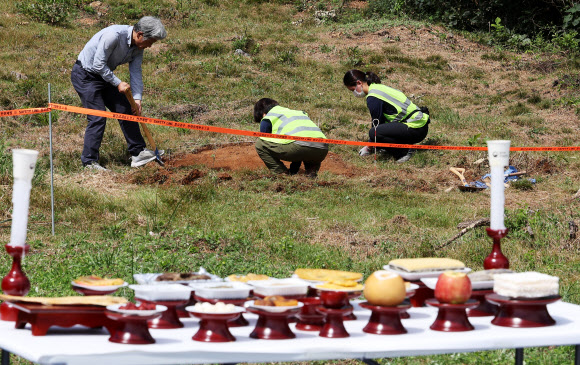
(8, 113)
(206, 128)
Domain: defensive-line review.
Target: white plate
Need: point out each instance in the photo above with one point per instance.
(161, 292)
(237, 290)
(237, 309)
(290, 286)
(136, 312)
(149, 278)
(475, 285)
(272, 309)
(344, 290)
(420, 275)
(99, 287)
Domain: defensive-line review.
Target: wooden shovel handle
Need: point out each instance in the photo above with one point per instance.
(135, 108)
(459, 172)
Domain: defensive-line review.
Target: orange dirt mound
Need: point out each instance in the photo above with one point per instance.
(244, 156)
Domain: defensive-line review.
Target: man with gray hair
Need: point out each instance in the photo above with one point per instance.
(99, 88)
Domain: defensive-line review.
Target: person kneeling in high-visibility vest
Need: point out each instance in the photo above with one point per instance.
(279, 120)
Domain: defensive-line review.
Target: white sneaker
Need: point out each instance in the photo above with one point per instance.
(405, 158)
(143, 158)
(365, 151)
(95, 166)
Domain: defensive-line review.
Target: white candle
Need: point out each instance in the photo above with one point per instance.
(24, 162)
(498, 155)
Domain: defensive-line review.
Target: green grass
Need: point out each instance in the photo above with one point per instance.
(120, 225)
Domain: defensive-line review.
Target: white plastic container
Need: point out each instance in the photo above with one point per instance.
(223, 290)
(161, 292)
(289, 286)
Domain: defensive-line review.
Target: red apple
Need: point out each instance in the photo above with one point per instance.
(453, 287)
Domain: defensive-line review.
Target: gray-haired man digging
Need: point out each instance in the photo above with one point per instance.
(93, 79)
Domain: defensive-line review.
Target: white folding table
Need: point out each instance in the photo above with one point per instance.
(78, 345)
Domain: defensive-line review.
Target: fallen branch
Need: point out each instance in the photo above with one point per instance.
(573, 229)
(470, 225)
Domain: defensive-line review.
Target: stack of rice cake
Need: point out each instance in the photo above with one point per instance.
(525, 285)
(426, 264)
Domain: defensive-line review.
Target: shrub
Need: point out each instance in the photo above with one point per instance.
(54, 12)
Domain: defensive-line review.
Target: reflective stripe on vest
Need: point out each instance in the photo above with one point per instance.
(402, 103)
(293, 123)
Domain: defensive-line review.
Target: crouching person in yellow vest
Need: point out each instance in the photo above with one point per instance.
(279, 120)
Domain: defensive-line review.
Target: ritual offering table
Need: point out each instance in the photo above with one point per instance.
(272, 322)
(522, 312)
(213, 327)
(385, 320)
(239, 321)
(309, 319)
(133, 328)
(452, 317)
(41, 317)
(485, 308)
(169, 318)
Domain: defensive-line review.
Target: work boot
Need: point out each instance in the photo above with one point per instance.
(94, 165)
(143, 158)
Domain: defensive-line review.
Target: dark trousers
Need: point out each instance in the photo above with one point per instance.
(274, 153)
(397, 133)
(96, 93)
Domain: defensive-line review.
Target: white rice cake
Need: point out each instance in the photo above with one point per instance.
(529, 284)
(426, 264)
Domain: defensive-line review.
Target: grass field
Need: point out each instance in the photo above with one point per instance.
(124, 222)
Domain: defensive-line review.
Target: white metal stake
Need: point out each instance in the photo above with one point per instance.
(51, 167)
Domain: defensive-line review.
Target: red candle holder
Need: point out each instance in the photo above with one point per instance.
(15, 282)
(452, 317)
(385, 320)
(496, 259)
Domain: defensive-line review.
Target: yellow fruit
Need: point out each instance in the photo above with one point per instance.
(384, 288)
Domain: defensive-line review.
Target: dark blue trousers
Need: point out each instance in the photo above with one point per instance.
(96, 93)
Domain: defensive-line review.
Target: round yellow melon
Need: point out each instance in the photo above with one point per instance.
(384, 288)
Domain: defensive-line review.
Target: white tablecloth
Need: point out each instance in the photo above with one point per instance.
(78, 345)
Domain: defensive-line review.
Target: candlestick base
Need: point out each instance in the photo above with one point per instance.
(15, 282)
(496, 259)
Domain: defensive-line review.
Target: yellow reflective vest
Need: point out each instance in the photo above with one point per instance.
(407, 112)
(293, 123)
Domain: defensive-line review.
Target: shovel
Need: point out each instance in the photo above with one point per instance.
(465, 187)
(129, 96)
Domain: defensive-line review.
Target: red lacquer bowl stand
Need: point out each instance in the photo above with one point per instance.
(169, 318)
(87, 291)
(385, 320)
(452, 317)
(41, 317)
(522, 313)
(496, 259)
(484, 308)
(236, 322)
(213, 327)
(334, 321)
(308, 318)
(271, 325)
(422, 293)
(133, 329)
(410, 294)
(181, 312)
(15, 282)
(353, 295)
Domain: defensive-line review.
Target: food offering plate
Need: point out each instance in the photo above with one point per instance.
(309, 319)
(485, 308)
(522, 312)
(385, 320)
(169, 318)
(239, 321)
(299, 297)
(41, 317)
(96, 289)
(335, 306)
(452, 317)
(273, 321)
(213, 327)
(133, 329)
